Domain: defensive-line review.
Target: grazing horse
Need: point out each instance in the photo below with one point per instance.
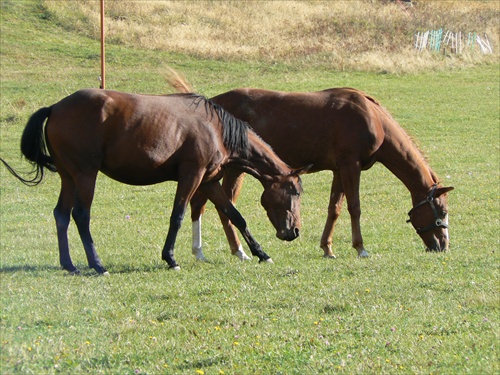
(343, 130)
(144, 140)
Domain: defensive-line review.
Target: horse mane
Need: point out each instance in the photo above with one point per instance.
(234, 130)
(408, 137)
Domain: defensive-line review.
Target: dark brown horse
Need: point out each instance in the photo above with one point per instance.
(143, 140)
(343, 130)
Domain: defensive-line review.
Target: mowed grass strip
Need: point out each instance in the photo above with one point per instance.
(400, 311)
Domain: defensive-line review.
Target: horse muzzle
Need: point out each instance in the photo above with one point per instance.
(438, 245)
(288, 234)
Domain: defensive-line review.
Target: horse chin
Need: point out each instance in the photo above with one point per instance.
(287, 234)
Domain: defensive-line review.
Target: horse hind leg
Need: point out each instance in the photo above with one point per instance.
(351, 183)
(197, 203)
(217, 196)
(85, 187)
(189, 181)
(232, 184)
(334, 207)
(62, 213)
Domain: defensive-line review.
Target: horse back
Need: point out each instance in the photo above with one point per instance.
(319, 128)
(135, 139)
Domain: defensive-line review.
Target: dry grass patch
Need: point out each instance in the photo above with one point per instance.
(343, 35)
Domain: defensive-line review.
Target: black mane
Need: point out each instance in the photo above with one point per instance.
(234, 131)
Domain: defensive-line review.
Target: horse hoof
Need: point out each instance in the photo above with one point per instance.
(74, 273)
(176, 268)
(328, 256)
(268, 260)
(105, 273)
(363, 254)
(241, 255)
(198, 253)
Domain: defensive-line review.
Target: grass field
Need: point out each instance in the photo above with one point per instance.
(401, 311)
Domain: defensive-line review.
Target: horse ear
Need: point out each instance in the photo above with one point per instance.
(299, 171)
(443, 190)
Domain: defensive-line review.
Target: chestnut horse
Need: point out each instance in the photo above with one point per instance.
(343, 130)
(144, 140)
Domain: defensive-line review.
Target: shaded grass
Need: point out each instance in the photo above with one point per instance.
(400, 311)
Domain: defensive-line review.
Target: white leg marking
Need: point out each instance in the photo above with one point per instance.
(363, 254)
(241, 254)
(196, 248)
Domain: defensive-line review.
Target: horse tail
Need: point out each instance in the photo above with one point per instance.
(34, 148)
(178, 82)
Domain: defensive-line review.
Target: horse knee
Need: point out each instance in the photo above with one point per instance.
(81, 217)
(176, 221)
(198, 204)
(62, 218)
(354, 210)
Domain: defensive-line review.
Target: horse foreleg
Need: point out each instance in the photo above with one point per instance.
(198, 204)
(186, 188)
(217, 196)
(232, 184)
(62, 216)
(334, 207)
(85, 187)
(351, 181)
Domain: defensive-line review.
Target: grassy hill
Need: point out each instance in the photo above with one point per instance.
(340, 35)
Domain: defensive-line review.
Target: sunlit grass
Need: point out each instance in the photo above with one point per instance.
(339, 35)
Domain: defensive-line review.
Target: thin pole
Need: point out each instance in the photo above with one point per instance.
(103, 56)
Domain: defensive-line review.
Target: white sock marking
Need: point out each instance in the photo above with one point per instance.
(196, 248)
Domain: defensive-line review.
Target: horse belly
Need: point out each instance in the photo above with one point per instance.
(139, 176)
(129, 163)
(299, 143)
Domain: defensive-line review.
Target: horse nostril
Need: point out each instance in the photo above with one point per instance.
(297, 232)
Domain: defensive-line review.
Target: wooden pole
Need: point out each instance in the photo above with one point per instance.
(103, 56)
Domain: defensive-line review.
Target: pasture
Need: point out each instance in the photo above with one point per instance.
(401, 311)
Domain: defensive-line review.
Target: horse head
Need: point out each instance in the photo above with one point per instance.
(430, 219)
(281, 200)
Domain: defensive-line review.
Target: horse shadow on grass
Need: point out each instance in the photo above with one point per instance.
(113, 268)
(27, 268)
(84, 269)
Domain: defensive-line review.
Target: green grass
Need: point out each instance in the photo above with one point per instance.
(402, 311)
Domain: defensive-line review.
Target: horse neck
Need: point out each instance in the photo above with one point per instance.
(402, 157)
(260, 160)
